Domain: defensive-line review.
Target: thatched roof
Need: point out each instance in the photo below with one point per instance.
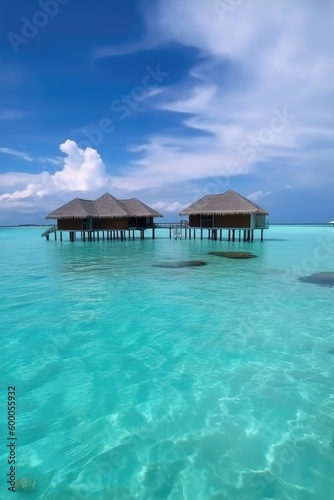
(138, 209)
(75, 209)
(226, 203)
(107, 206)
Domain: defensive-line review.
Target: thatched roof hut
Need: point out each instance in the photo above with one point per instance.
(105, 213)
(107, 206)
(229, 210)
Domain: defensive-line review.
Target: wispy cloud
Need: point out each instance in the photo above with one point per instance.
(16, 154)
(20, 155)
(114, 51)
(11, 114)
(258, 195)
(250, 66)
(172, 207)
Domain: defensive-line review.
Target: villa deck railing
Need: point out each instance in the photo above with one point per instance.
(50, 230)
(170, 225)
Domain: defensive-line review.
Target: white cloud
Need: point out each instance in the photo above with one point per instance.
(258, 195)
(199, 99)
(15, 179)
(83, 170)
(172, 207)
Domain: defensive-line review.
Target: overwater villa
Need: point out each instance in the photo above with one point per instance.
(106, 217)
(230, 211)
(110, 218)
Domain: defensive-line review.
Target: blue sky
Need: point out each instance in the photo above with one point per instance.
(167, 101)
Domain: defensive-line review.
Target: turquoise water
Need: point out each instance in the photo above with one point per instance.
(143, 382)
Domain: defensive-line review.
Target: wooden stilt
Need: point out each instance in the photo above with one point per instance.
(201, 234)
(61, 236)
(261, 234)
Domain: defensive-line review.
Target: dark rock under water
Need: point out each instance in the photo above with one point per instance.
(234, 255)
(26, 484)
(181, 263)
(322, 279)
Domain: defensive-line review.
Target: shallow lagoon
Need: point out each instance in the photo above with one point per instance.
(142, 382)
